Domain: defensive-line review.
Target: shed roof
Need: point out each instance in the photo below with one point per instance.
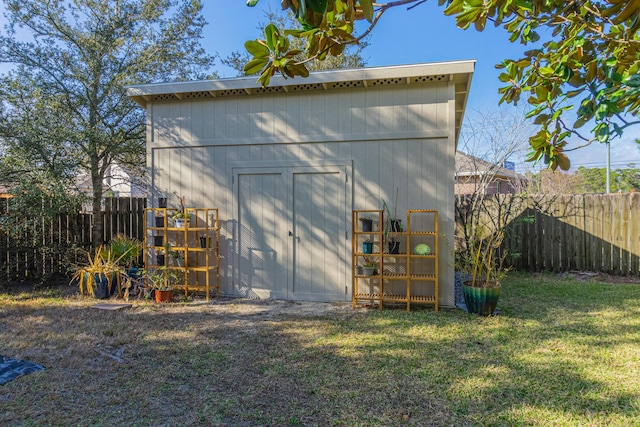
(460, 72)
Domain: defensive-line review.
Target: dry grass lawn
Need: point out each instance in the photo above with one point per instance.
(563, 352)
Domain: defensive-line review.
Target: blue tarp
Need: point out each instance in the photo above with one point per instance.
(13, 368)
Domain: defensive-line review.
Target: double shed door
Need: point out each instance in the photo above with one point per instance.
(291, 232)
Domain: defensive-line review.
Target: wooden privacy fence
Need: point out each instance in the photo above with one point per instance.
(49, 247)
(593, 232)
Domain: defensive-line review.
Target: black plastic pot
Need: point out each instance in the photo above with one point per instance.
(394, 247)
(162, 202)
(367, 224)
(205, 242)
(395, 225)
(159, 221)
(160, 259)
(157, 240)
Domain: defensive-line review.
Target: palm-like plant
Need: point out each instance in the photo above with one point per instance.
(125, 249)
(101, 266)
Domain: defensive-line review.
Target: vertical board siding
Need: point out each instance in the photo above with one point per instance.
(422, 107)
(379, 168)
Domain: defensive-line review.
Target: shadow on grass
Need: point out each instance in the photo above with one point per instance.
(214, 365)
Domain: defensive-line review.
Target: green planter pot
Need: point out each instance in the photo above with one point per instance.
(482, 301)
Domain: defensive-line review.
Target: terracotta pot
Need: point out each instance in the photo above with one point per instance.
(164, 296)
(482, 301)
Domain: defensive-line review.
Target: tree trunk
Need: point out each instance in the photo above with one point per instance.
(98, 225)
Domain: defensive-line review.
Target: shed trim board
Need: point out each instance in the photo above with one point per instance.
(285, 165)
(314, 138)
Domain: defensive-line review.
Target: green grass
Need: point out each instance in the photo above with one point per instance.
(562, 353)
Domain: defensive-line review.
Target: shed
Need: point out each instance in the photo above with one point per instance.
(286, 165)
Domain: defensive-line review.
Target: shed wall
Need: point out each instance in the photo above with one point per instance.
(398, 137)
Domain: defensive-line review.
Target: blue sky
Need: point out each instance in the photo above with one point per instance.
(423, 34)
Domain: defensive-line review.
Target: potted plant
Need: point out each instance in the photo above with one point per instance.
(482, 291)
(394, 246)
(100, 274)
(367, 247)
(181, 216)
(392, 222)
(177, 258)
(367, 223)
(370, 268)
(159, 281)
(126, 251)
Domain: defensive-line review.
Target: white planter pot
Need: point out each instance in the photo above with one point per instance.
(180, 222)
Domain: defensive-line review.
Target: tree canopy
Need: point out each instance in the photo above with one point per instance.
(63, 106)
(584, 56)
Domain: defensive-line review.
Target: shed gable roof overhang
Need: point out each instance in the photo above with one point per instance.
(458, 72)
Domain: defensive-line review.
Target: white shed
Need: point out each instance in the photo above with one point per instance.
(286, 165)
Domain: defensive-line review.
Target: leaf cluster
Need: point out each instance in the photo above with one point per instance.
(591, 59)
(327, 26)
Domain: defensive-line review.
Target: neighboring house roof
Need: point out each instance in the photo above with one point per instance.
(459, 72)
(468, 165)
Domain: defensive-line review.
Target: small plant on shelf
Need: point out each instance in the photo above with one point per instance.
(370, 267)
(392, 223)
(181, 214)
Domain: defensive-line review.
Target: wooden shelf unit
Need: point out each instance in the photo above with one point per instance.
(367, 287)
(404, 277)
(200, 266)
